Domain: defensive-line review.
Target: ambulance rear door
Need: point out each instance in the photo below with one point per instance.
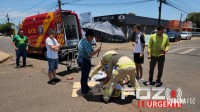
(61, 38)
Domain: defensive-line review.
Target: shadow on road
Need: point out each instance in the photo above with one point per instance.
(127, 100)
(67, 72)
(153, 83)
(36, 56)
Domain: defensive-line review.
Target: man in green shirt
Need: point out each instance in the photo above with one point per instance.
(157, 48)
(20, 42)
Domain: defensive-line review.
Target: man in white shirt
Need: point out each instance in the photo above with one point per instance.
(139, 45)
(52, 56)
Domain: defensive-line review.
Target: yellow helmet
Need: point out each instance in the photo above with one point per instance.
(107, 56)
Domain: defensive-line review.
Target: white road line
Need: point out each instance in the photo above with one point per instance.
(187, 51)
(173, 50)
(198, 54)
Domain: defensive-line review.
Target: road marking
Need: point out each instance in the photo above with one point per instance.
(173, 50)
(198, 54)
(187, 51)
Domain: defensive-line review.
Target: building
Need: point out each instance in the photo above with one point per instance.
(182, 26)
(127, 21)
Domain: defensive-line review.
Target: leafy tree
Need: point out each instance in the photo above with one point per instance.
(133, 14)
(6, 28)
(194, 17)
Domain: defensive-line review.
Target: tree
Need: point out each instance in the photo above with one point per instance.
(194, 17)
(6, 28)
(133, 14)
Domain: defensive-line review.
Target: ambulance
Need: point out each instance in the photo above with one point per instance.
(66, 24)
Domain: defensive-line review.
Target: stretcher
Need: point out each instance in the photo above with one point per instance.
(70, 56)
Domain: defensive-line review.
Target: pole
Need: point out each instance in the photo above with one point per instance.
(159, 10)
(8, 19)
(59, 4)
(180, 22)
(9, 27)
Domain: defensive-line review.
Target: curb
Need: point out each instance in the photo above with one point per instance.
(5, 58)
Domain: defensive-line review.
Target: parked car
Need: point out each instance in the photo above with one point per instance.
(1, 34)
(186, 35)
(174, 36)
(196, 34)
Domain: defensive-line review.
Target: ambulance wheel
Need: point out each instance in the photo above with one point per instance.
(68, 68)
(77, 70)
(45, 53)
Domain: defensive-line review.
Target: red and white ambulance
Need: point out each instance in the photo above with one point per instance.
(65, 22)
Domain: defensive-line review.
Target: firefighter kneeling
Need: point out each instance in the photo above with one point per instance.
(124, 67)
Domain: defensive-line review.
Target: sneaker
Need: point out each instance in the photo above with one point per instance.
(17, 67)
(102, 100)
(148, 83)
(141, 79)
(87, 94)
(158, 84)
(51, 82)
(23, 66)
(56, 79)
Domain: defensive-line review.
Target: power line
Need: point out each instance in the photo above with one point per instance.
(180, 6)
(185, 6)
(49, 9)
(169, 4)
(71, 2)
(189, 5)
(30, 7)
(109, 4)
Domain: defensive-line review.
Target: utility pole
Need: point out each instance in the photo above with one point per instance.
(59, 4)
(19, 25)
(180, 22)
(160, 9)
(8, 19)
(9, 27)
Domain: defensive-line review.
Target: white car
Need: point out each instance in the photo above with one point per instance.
(186, 35)
(1, 34)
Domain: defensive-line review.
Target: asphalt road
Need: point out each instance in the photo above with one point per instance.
(26, 90)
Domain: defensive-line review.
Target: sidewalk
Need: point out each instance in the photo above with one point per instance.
(4, 57)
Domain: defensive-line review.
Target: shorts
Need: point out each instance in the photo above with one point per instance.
(138, 59)
(53, 64)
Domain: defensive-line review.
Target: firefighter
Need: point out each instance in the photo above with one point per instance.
(124, 66)
(102, 64)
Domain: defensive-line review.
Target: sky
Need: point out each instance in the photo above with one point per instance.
(18, 9)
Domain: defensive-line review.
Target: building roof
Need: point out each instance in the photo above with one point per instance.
(131, 19)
